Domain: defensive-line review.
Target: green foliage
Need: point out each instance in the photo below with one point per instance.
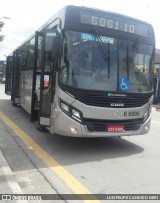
(1, 24)
(1, 36)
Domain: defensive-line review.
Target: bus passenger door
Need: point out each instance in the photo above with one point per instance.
(38, 62)
(9, 67)
(47, 79)
(15, 92)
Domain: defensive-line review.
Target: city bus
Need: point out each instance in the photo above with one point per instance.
(86, 73)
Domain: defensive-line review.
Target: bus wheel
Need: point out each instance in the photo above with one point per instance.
(14, 104)
(39, 127)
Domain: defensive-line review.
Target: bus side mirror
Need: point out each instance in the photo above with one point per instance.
(56, 47)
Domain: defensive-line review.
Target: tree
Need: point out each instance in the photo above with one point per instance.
(1, 36)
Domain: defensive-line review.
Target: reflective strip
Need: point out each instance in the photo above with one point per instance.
(17, 100)
(45, 121)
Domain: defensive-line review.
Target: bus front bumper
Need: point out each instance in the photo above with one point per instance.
(66, 126)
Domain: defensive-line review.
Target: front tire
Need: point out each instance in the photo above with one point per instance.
(39, 127)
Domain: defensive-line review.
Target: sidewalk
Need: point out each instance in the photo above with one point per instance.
(8, 184)
(18, 174)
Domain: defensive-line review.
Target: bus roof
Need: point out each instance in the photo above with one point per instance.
(61, 14)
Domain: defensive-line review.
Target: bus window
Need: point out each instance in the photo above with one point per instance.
(136, 62)
(86, 65)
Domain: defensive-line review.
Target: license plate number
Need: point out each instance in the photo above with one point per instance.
(112, 128)
(132, 113)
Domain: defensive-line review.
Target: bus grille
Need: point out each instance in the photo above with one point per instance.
(101, 125)
(105, 101)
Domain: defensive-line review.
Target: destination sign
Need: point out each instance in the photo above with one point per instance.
(115, 22)
(110, 21)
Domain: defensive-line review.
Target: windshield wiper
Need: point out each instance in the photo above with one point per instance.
(132, 53)
(127, 63)
(108, 60)
(101, 47)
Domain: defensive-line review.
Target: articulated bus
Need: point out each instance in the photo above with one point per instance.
(86, 73)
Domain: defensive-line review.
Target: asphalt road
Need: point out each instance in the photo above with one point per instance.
(128, 165)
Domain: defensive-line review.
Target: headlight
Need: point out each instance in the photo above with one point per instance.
(76, 114)
(146, 115)
(64, 106)
(150, 110)
(71, 111)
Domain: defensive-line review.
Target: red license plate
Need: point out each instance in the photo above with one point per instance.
(113, 128)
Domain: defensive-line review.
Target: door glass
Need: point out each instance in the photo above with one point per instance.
(48, 72)
(38, 69)
(8, 75)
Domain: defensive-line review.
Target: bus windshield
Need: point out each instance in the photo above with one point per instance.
(122, 65)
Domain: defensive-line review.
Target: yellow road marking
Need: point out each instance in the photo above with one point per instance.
(63, 174)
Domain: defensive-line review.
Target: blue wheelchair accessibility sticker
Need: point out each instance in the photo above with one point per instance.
(124, 84)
